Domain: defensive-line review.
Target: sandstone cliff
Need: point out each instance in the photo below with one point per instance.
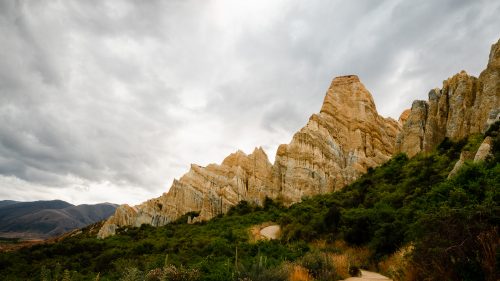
(332, 150)
(464, 105)
(335, 147)
(209, 190)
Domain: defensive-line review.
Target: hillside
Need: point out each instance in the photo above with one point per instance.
(449, 227)
(336, 146)
(43, 219)
(7, 202)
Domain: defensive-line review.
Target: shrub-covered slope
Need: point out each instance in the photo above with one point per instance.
(450, 225)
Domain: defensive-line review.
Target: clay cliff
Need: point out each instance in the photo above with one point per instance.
(465, 105)
(210, 190)
(336, 146)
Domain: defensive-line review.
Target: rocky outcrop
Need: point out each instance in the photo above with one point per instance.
(463, 106)
(484, 150)
(337, 145)
(210, 190)
(464, 156)
(481, 154)
(404, 116)
(411, 138)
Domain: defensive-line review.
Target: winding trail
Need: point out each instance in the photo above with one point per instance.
(270, 232)
(368, 276)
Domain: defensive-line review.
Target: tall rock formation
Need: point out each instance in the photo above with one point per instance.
(210, 190)
(337, 145)
(464, 105)
(332, 150)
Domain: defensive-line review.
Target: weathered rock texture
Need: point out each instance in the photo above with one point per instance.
(209, 190)
(335, 147)
(484, 150)
(404, 116)
(464, 105)
(481, 154)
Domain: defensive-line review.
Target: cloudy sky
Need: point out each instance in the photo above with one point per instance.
(112, 100)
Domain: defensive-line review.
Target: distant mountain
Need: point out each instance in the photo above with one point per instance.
(44, 219)
(7, 202)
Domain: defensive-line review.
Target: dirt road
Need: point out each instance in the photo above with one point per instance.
(270, 232)
(368, 276)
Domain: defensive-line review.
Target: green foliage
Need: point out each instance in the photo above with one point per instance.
(452, 223)
(132, 274)
(173, 273)
(207, 248)
(411, 201)
(319, 265)
(260, 269)
(66, 276)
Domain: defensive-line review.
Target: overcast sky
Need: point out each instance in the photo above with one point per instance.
(112, 100)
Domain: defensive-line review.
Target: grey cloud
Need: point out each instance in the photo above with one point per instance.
(129, 93)
(282, 116)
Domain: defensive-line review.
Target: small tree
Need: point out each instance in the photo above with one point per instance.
(66, 276)
(44, 274)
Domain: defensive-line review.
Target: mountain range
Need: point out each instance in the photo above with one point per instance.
(44, 219)
(336, 146)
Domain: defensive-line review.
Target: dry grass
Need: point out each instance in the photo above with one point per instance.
(341, 264)
(344, 256)
(398, 266)
(299, 273)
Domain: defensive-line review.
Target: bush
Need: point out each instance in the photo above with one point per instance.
(319, 265)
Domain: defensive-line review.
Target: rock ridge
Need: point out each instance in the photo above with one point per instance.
(334, 148)
(464, 105)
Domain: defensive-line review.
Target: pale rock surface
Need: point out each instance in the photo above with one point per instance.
(463, 106)
(411, 138)
(481, 154)
(464, 156)
(210, 190)
(484, 150)
(404, 116)
(337, 145)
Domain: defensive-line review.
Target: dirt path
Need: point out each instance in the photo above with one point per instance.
(368, 276)
(270, 232)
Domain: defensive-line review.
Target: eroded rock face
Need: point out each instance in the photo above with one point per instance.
(210, 190)
(481, 154)
(337, 145)
(404, 116)
(484, 150)
(411, 138)
(464, 156)
(463, 106)
(332, 150)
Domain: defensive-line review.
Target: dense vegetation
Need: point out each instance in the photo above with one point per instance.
(450, 227)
